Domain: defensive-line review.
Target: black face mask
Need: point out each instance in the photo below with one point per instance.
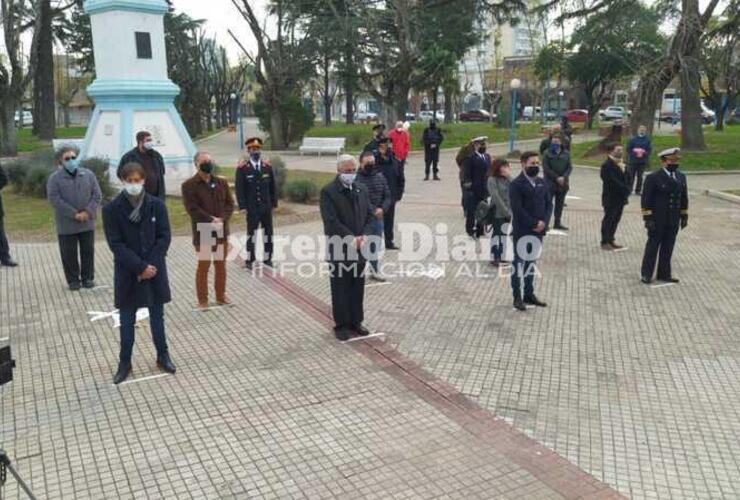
(672, 167)
(482, 150)
(432, 125)
(532, 171)
(369, 167)
(206, 168)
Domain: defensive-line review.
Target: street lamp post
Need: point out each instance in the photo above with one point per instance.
(514, 84)
(236, 99)
(560, 103)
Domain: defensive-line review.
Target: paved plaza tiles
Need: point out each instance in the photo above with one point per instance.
(615, 390)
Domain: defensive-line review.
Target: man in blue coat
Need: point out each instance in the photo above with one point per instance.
(638, 151)
(137, 229)
(531, 208)
(474, 183)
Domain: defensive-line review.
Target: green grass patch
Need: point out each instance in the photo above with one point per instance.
(455, 134)
(723, 151)
(27, 142)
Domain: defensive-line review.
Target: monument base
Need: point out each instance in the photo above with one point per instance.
(123, 108)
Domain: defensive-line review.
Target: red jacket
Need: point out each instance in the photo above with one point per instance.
(401, 143)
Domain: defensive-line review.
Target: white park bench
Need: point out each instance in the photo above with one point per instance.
(320, 145)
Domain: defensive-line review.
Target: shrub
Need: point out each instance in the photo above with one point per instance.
(301, 191)
(297, 119)
(101, 168)
(34, 183)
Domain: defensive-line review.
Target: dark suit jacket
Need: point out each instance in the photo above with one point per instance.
(136, 246)
(345, 213)
(391, 169)
(475, 170)
(256, 192)
(615, 190)
(136, 156)
(529, 204)
(665, 200)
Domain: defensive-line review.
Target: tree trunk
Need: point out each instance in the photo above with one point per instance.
(66, 116)
(8, 137)
(277, 137)
(44, 120)
(692, 133)
(349, 100)
(448, 104)
(326, 93)
(400, 104)
(209, 119)
(435, 103)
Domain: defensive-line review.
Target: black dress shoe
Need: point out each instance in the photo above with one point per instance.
(560, 227)
(166, 364)
(436, 178)
(9, 263)
(267, 263)
(534, 301)
(342, 334)
(248, 266)
(391, 246)
(615, 246)
(361, 331)
(669, 280)
(645, 280)
(75, 287)
(519, 305)
(122, 373)
(426, 178)
(88, 284)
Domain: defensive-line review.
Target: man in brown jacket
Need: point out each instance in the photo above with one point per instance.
(209, 203)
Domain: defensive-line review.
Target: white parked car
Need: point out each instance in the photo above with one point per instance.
(428, 115)
(614, 113)
(27, 118)
(366, 116)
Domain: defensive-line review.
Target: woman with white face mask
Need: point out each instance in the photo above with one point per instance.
(137, 229)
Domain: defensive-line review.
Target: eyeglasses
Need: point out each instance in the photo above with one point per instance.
(70, 158)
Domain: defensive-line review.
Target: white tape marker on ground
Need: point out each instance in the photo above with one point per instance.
(150, 377)
(357, 339)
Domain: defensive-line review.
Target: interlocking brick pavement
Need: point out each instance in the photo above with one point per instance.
(633, 385)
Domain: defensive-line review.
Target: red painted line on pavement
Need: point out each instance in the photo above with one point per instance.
(544, 464)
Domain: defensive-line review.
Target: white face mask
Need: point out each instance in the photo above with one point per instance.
(133, 189)
(347, 179)
(149, 145)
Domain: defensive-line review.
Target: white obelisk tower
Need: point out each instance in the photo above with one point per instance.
(132, 91)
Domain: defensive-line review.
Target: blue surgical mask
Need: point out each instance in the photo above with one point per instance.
(149, 145)
(641, 134)
(555, 148)
(72, 165)
(348, 179)
(255, 155)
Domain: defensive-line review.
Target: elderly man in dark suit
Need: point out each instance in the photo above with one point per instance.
(531, 208)
(348, 220)
(5, 259)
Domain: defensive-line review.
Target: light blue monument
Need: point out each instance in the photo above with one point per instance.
(132, 91)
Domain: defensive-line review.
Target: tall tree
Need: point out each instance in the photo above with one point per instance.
(720, 60)
(14, 75)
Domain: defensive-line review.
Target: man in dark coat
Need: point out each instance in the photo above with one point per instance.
(256, 192)
(638, 150)
(348, 219)
(557, 166)
(432, 140)
(5, 259)
(378, 135)
(614, 195)
(391, 169)
(137, 229)
(531, 208)
(145, 155)
(554, 130)
(665, 209)
(474, 183)
(380, 201)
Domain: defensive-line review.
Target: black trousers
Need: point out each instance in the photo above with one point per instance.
(254, 221)
(559, 197)
(610, 222)
(431, 159)
(389, 218)
(4, 247)
(78, 266)
(636, 173)
(347, 281)
(470, 202)
(659, 247)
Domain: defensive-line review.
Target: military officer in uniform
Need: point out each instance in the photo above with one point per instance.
(474, 184)
(257, 196)
(665, 209)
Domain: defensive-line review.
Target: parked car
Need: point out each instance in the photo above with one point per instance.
(27, 118)
(614, 113)
(576, 115)
(475, 115)
(530, 113)
(410, 117)
(707, 115)
(366, 117)
(428, 115)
